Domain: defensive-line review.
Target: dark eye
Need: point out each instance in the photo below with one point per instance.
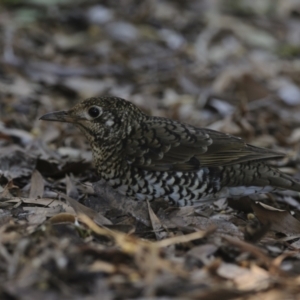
(94, 112)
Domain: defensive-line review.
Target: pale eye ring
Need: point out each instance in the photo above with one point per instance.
(94, 112)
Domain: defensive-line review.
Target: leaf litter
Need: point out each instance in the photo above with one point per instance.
(232, 66)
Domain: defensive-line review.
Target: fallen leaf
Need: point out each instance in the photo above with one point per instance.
(62, 218)
(79, 208)
(37, 185)
(280, 220)
(156, 224)
(15, 163)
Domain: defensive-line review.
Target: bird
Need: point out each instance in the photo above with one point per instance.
(147, 157)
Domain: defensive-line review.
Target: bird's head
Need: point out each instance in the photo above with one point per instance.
(103, 119)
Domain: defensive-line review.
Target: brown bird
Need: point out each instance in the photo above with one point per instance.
(146, 157)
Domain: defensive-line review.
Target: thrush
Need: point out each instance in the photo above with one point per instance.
(146, 157)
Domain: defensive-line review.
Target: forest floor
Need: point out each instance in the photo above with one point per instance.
(232, 66)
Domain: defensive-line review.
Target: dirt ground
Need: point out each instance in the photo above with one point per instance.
(233, 66)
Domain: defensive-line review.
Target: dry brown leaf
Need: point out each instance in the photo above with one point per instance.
(71, 188)
(62, 218)
(47, 211)
(38, 217)
(102, 266)
(254, 279)
(222, 222)
(156, 224)
(14, 163)
(5, 193)
(79, 208)
(203, 252)
(185, 238)
(41, 201)
(37, 185)
(279, 220)
(112, 199)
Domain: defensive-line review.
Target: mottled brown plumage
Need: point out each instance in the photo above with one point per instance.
(146, 157)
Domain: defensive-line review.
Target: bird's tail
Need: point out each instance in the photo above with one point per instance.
(258, 177)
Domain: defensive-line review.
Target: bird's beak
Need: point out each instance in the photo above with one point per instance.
(59, 116)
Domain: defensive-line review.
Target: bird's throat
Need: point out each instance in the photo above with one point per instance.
(109, 161)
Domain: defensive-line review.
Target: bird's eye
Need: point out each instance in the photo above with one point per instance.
(94, 112)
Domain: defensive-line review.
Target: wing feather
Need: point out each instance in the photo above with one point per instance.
(164, 145)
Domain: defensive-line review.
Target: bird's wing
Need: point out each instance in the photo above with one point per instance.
(164, 145)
